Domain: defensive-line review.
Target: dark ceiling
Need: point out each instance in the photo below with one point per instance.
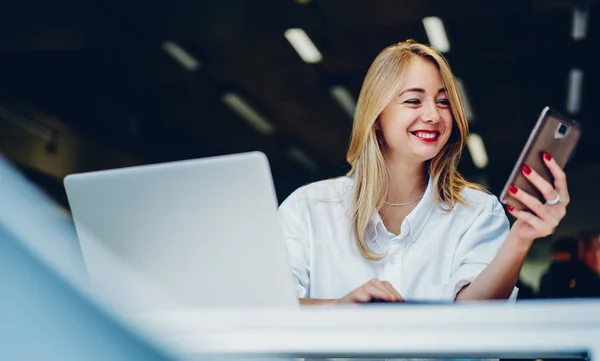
(98, 67)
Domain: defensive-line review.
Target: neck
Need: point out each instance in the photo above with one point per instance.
(408, 180)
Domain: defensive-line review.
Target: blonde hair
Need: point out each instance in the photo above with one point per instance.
(369, 169)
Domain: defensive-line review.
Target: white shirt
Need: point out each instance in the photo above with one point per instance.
(436, 253)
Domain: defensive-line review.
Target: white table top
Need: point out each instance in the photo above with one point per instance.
(491, 329)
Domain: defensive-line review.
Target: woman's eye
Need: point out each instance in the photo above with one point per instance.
(444, 102)
(413, 101)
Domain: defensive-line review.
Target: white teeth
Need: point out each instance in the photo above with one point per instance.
(426, 135)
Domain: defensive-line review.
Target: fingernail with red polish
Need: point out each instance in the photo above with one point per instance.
(510, 208)
(547, 156)
(512, 189)
(526, 170)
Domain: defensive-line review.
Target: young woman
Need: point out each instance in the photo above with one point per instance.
(404, 224)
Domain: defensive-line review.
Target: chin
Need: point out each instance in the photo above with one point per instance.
(426, 158)
(426, 155)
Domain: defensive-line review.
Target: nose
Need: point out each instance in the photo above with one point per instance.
(430, 113)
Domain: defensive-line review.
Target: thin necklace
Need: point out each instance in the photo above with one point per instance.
(402, 204)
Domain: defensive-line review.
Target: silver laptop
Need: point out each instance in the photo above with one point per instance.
(181, 235)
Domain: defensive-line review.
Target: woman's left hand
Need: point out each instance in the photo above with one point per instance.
(543, 218)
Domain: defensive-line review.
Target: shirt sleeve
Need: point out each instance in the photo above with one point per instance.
(295, 236)
(478, 246)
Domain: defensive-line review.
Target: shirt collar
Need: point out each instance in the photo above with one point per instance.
(416, 219)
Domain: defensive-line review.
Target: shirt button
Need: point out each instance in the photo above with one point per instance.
(393, 260)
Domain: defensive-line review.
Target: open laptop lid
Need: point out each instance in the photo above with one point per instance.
(202, 232)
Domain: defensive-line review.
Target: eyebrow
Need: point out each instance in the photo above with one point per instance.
(421, 90)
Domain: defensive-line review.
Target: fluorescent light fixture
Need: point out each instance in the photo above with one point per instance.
(303, 45)
(181, 55)
(477, 150)
(344, 99)
(301, 158)
(434, 27)
(466, 102)
(251, 116)
(580, 22)
(574, 91)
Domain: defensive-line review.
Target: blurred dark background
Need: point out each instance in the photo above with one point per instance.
(97, 84)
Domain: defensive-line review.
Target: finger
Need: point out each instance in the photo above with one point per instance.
(391, 288)
(377, 290)
(560, 178)
(542, 227)
(379, 285)
(530, 202)
(558, 211)
(360, 296)
(391, 296)
(540, 183)
(377, 293)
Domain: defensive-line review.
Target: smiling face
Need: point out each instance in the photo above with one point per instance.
(417, 123)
